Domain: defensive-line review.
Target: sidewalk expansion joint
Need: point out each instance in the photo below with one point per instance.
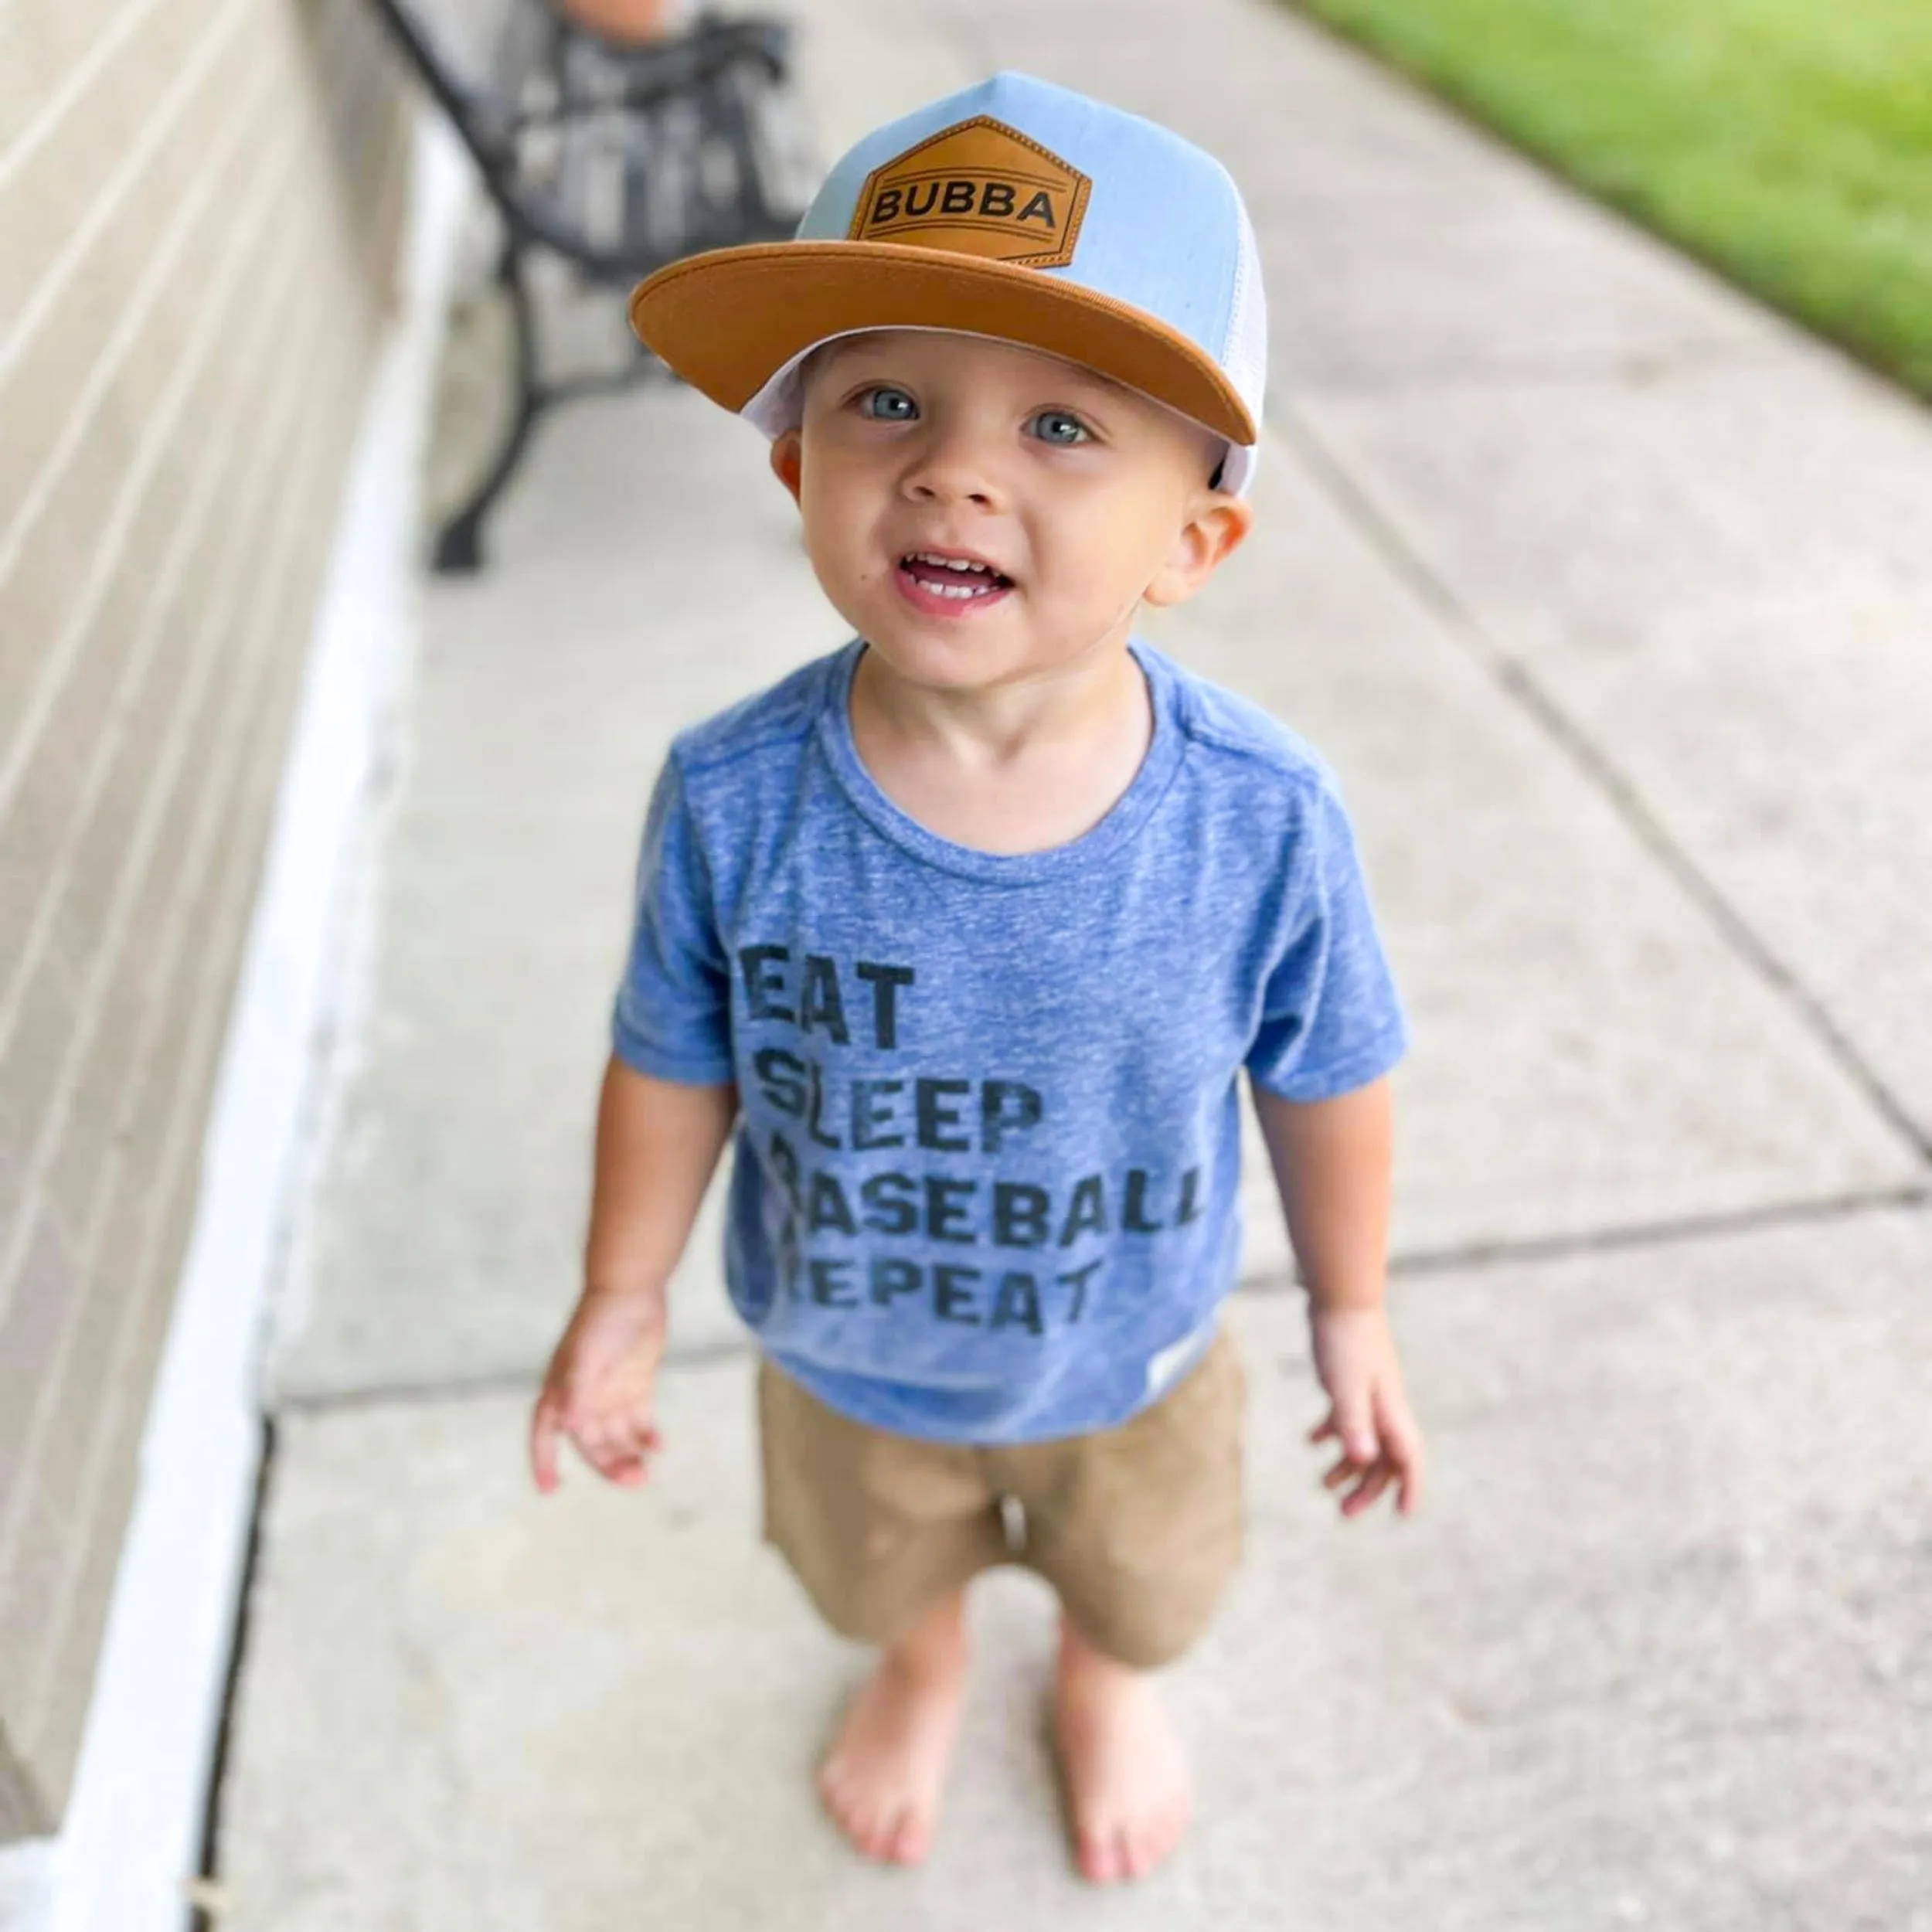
(492, 1385)
(1674, 1232)
(721, 1350)
(1359, 507)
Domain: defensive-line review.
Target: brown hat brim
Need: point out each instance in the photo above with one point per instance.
(727, 321)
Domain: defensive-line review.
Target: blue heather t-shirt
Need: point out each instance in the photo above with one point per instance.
(987, 1153)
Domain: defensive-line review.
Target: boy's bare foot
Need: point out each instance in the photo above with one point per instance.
(1127, 1779)
(882, 1779)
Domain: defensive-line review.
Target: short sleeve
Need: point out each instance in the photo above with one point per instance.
(672, 1018)
(1331, 1019)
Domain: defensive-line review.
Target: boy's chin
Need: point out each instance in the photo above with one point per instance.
(983, 656)
(930, 670)
(951, 654)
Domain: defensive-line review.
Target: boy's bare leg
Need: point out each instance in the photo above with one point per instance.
(882, 1778)
(1126, 1777)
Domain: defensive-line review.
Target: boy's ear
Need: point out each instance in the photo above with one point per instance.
(788, 460)
(1212, 532)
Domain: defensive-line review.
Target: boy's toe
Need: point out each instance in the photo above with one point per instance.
(847, 1806)
(887, 1830)
(911, 1839)
(1097, 1853)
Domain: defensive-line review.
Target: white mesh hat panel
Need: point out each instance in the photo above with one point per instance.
(1244, 355)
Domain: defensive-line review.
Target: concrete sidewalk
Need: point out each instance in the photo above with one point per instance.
(1611, 598)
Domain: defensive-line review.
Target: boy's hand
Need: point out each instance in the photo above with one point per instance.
(600, 1390)
(1355, 1356)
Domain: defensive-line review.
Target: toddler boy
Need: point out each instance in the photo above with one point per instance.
(968, 932)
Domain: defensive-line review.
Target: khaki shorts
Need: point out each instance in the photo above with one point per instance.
(1137, 1528)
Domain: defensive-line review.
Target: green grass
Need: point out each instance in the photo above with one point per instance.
(1789, 142)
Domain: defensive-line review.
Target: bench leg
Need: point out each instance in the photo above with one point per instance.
(459, 546)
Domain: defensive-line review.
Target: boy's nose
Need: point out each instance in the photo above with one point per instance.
(953, 469)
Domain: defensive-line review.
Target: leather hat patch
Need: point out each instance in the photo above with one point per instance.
(981, 188)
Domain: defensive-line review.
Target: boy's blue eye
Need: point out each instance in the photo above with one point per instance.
(1056, 426)
(887, 404)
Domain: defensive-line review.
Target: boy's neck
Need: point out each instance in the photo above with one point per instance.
(1022, 766)
(990, 726)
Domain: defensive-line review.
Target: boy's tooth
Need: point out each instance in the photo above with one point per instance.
(959, 567)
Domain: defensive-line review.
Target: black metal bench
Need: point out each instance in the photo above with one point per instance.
(615, 157)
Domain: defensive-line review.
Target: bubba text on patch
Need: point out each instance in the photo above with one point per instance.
(980, 187)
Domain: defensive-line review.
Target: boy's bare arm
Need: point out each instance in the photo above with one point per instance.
(658, 1146)
(1333, 1163)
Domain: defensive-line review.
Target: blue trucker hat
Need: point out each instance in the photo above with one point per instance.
(1014, 210)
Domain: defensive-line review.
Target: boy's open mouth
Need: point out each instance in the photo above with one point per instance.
(940, 580)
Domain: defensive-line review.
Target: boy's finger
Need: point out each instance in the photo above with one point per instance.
(1402, 1446)
(614, 1463)
(617, 1448)
(1377, 1480)
(1356, 1423)
(1398, 1424)
(1408, 1458)
(1409, 1495)
(543, 1437)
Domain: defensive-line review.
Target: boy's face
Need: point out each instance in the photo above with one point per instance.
(1078, 497)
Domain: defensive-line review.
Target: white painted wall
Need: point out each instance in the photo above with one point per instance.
(132, 1835)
